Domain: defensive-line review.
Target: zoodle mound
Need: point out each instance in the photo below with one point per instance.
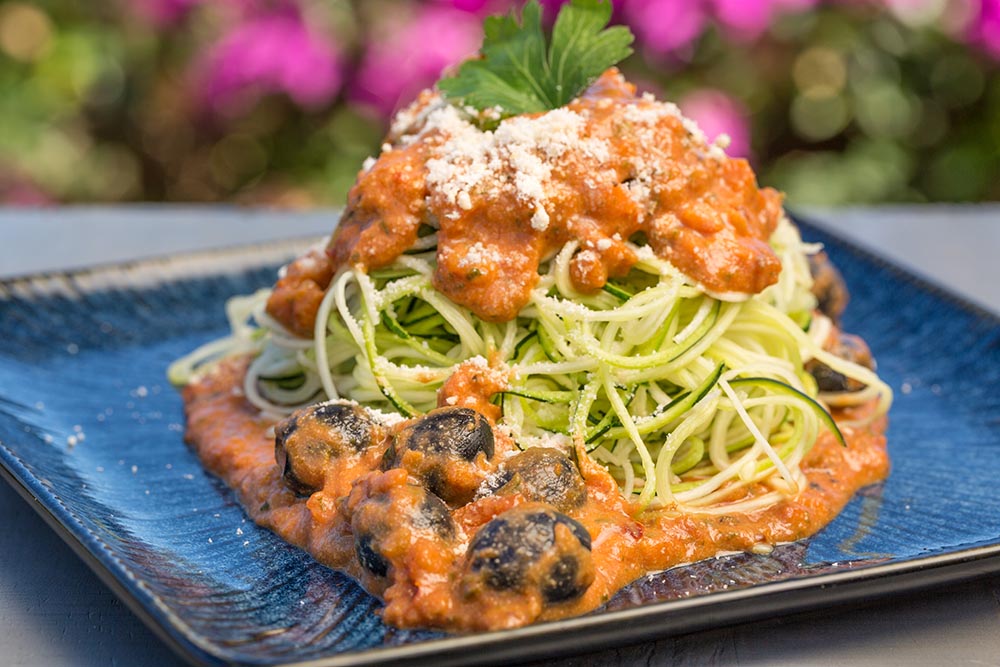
(540, 356)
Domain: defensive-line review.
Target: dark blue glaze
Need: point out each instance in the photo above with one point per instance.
(88, 365)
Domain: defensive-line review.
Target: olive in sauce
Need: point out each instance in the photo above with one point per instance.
(387, 523)
(542, 474)
(306, 442)
(849, 347)
(532, 548)
(828, 286)
(445, 449)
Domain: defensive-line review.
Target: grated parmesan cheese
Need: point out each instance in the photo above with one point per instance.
(478, 255)
(540, 220)
(516, 158)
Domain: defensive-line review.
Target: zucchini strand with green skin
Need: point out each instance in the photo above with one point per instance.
(542, 396)
(783, 388)
(684, 397)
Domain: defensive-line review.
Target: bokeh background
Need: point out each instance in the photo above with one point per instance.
(277, 102)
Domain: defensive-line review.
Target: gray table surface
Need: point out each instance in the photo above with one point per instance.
(54, 611)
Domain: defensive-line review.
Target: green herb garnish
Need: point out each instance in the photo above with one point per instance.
(519, 73)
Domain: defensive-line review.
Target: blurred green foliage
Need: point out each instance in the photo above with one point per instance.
(845, 104)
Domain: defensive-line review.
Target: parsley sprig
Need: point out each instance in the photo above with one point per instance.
(519, 73)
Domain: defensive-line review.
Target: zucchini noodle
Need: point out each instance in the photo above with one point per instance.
(691, 400)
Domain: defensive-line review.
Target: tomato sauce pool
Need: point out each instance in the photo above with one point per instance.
(427, 584)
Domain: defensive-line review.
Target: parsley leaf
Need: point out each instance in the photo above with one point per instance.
(520, 73)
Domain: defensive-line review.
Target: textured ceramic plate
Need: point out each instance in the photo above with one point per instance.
(90, 433)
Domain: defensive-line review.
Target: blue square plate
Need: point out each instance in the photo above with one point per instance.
(91, 435)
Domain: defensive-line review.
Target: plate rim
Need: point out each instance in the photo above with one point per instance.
(116, 580)
(573, 635)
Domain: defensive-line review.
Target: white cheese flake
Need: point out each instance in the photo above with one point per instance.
(479, 255)
(517, 158)
(540, 220)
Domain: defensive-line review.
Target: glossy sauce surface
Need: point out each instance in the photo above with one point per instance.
(608, 167)
(425, 586)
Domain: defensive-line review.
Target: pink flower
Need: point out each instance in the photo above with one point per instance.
(411, 54)
(270, 52)
(718, 113)
(664, 26)
(749, 19)
(476, 6)
(18, 190)
(986, 27)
